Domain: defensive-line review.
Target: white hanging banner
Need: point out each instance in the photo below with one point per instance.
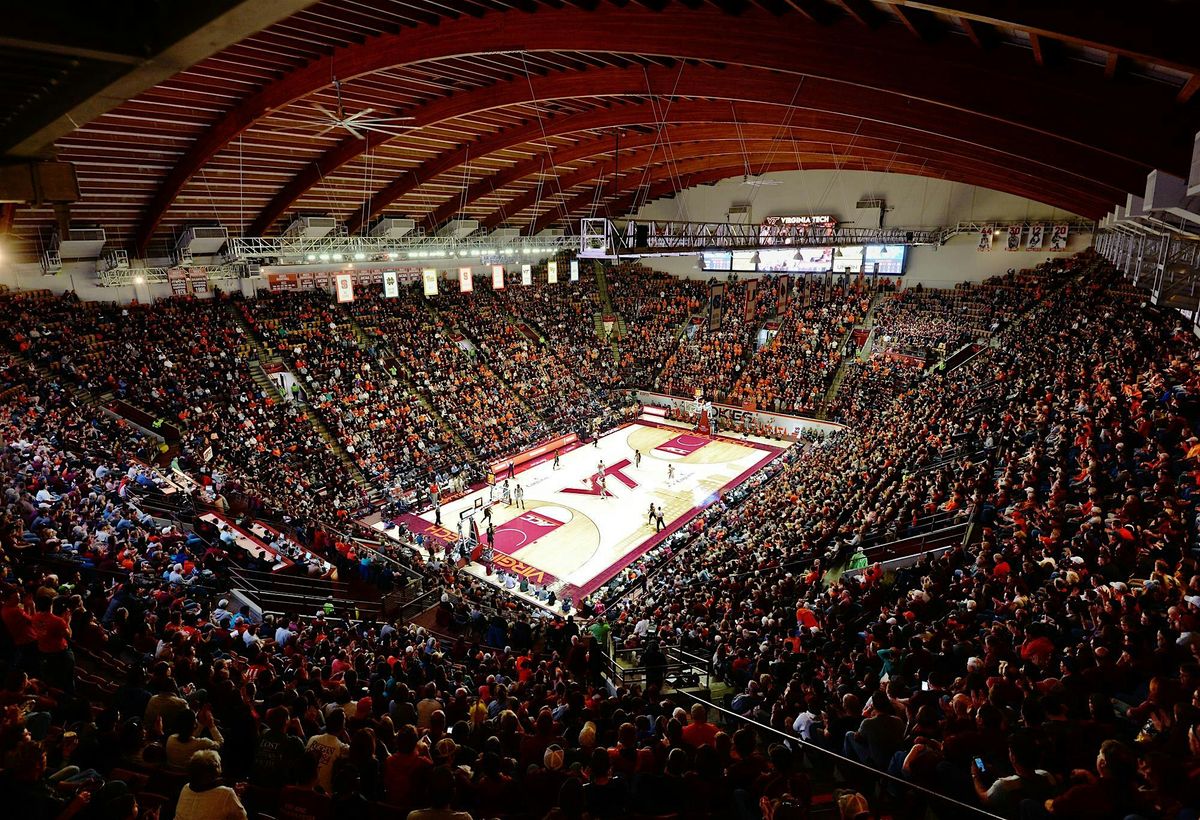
(429, 276)
(345, 287)
(527, 275)
(574, 270)
(985, 238)
(391, 284)
(466, 281)
(552, 272)
(1037, 234)
(1014, 237)
(497, 277)
(1058, 238)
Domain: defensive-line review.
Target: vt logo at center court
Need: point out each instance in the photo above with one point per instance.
(616, 471)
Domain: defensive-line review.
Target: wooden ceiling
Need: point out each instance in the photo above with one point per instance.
(529, 113)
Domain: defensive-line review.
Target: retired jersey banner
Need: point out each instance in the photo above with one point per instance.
(751, 299)
(716, 306)
(527, 275)
(391, 284)
(552, 272)
(1037, 234)
(497, 277)
(985, 238)
(1014, 237)
(429, 277)
(574, 270)
(345, 287)
(466, 280)
(1058, 238)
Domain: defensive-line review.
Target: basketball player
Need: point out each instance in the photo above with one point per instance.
(670, 473)
(637, 458)
(555, 465)
(519, 495)
(603, 486)
(507, 494)
(650, 515)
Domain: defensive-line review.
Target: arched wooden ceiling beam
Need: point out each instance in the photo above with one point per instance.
(665, 180)
(1156, 34)
(772, 149)
(1022, 174)
(678, 132)
(732, 83)
(767, 155)
(952, 74)
(757, 152)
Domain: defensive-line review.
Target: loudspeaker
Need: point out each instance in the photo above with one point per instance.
(641, 236)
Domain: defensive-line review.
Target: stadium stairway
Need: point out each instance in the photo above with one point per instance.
(271, 389)
(867, 323)
(403, 373)
(602, 289)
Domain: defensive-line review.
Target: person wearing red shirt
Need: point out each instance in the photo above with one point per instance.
(19, 625)
(54, 643)
(699, 732)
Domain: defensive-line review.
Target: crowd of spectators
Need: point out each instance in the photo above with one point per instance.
(369, 405)
(655, 308)
(1049, 666)
(548, 380)
(187, 361)
(932, 319)
(449, 373)
(792, 371)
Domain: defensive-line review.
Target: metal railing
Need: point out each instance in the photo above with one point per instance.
(623, 668)
(885, 783)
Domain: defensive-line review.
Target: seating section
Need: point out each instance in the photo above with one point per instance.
(1033, 654)
(366, 402)
(187, 361)
(793, 370)
(656, 308)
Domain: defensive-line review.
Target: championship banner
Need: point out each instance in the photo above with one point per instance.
(197, 280)
(1058, 238)
(1014, 237)
(783, 285)
(552, 272)
(391, 284)
(751, 299)
(179, 282)
(985, 238)
(716, 306)
(429, 277)
(1037, 233)
(345, 287)
(497, 277)
(574, 270)
(527, 275)
(466, 280)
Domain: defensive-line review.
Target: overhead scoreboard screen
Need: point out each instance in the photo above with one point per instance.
(796, 260)
(848, 259)
(884, 260)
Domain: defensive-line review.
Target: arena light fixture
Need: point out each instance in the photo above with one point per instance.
(324, 257)
(360, 256)
(393, 256)
(337, 257)
(312, 257)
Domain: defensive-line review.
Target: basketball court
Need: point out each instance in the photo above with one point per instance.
(573, 535)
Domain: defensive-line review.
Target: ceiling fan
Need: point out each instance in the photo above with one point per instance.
(355, 123)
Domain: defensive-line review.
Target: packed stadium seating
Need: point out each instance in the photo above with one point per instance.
(1046, 664)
